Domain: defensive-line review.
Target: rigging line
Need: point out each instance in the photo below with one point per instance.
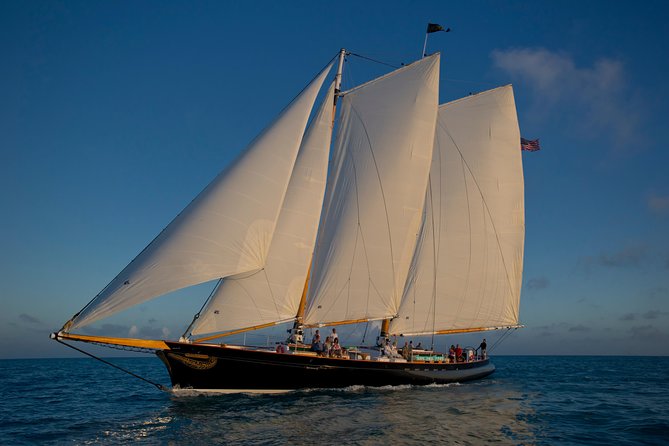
(312, 79)
(467, 82)
(158, 386)
(375, 60)
(503, 337)
(197, 315)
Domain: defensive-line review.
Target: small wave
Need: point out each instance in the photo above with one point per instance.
(360, 388)
(435, 385)
(190, 392)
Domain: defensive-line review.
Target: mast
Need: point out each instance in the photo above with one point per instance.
(340, 68)
(385, 328)
(297, 332)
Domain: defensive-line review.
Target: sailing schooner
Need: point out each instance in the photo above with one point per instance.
(417, 221)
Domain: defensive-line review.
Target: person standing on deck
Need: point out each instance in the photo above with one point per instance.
(316, 344)
(327, 346)
(334, 335)
(458, 353)
(483, 348)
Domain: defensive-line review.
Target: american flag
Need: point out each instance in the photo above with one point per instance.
(529, 145)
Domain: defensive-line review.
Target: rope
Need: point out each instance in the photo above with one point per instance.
(502, 338)
(374, 60)
(364, 335)
(158, 386)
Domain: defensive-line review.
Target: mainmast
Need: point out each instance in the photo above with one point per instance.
(297, 332)
(340, 68)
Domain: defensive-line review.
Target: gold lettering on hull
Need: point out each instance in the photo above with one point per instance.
(198, 362)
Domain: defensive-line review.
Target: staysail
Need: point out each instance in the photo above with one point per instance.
(467, 270)
(372, 212)
(273, 293)
(226, 230)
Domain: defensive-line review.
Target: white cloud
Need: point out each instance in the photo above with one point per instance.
(598, 97)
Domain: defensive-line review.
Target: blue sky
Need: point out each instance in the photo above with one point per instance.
(114, 115)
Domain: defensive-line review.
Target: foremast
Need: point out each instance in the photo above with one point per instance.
(297, 332)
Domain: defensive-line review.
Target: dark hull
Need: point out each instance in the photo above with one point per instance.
(206, 367)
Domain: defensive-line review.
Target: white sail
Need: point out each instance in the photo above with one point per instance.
(273, 293)
(467, 271)
(226, 230)
(373, 208)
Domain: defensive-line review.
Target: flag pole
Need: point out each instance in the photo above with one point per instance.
(424, 46)
(432, 28)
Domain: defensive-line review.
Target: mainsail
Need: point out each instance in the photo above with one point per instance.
(226, 230)
(273, 293)
(467, 271)
(372, 214)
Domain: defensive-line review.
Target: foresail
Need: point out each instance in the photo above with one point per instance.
(467, 271)
(374, 203)
(226, 230)
(273, 293)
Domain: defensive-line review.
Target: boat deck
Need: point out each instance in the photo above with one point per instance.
(355, 354)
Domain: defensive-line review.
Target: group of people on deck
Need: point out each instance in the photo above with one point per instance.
(457, 354)
(330, 347)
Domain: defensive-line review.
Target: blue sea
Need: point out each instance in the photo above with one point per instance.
(529, 400)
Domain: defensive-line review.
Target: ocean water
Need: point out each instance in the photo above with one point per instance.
(529, 400)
